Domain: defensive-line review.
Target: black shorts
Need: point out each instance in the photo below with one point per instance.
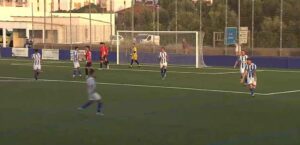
(88, 64)
(104, 58)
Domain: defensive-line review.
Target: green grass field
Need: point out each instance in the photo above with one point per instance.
(191, 107)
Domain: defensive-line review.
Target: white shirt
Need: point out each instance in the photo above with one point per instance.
(36, 58)
(75, 56)
(163, 57)
(91, 85)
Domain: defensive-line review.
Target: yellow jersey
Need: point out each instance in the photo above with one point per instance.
(134, 54)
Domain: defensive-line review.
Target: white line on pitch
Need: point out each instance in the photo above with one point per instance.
(284, 92)
(138, 70)
(137, 85)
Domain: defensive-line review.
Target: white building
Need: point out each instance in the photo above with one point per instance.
(115, 5)
(25, 19)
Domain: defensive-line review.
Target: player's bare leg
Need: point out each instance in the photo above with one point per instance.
(252, 89)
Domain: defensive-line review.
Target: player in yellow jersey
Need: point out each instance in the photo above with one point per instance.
(134, 55)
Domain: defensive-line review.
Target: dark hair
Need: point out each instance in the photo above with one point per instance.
(87, 47)
(76, 47)
(36, 50)
(91, 72)
(102, 43)
(249, 58)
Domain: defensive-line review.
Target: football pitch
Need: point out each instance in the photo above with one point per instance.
(190, 107)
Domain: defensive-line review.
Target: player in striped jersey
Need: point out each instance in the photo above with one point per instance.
(250, 74)
(94, 97)
(76, 71)
(163, 56)
(242, 61)
(88, 58)
(36, 63)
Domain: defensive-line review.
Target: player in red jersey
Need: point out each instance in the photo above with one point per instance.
(103, 55)
(88, 58)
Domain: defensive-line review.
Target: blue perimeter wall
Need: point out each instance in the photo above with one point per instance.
(268, 62)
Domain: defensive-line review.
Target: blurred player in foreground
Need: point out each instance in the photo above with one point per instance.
(134, 56)
(76, 71)
(103, 55)
(163, 56)
(88, 58)
(36, 64)
(250, 74)
(242, 61)
(94, 97)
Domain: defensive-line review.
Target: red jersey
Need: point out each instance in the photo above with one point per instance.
(88, 56)
(103, 51)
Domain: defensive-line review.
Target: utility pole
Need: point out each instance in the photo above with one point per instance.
(176, 20)
(90, 17)
(111, 25)
(281, 23)
(252, 33)
(44, 31)
(239, 20)
(70, 12)
(132, 16)
(226, 25)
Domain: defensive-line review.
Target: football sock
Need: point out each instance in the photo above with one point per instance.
(86, 71)
(99, 107)
(35, 75)
(100, 64)
(74, 72)
(162, 72)
(137, 62)
(78, 70)
(87, 104)
(131, 62)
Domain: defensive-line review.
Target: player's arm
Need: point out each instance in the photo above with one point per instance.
(237, 62)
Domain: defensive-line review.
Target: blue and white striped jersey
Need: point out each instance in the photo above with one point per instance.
(36, 58)
(243, 60)
(163, 57)
(251, 69)
(75, 56)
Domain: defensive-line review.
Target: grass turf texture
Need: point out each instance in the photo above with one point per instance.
(44, 112)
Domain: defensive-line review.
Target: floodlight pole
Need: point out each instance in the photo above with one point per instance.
(52, 39)
(32, 25)
(226, 25)
(200, 35)
(71, 40)
(90, 18)
(157, 17)
(252, 33)
(239, 21)
(281, 23)
(176, 20)
(132, 16)
(44, 31)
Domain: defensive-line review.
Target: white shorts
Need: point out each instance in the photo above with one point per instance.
(163, 65)
(76, 64)
(37, 67)
(94, 97)
(252, 81)
(242, 70)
